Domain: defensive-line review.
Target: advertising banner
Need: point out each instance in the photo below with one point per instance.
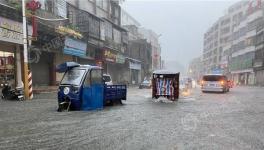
(109, 56)
(74, 47)
(120, 59)
(12, 31)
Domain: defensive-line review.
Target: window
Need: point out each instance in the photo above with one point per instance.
(117, 36)
(94, 27)
(90, 52)
(96, 76)
(108, 30)
(214, 78)
(105, 4)
(49, 6)
(87, 81)
(99, 3)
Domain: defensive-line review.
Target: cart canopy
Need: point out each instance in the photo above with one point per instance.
(66, 66)
(164, 72)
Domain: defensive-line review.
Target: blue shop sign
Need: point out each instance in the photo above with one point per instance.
(74, 47)
(217, 71)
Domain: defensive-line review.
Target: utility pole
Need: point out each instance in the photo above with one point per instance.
(25, 67)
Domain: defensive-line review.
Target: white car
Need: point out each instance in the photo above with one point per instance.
(145, 84)
(214, 83)
(107, 79)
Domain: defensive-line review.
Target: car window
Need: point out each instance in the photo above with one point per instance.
(96, 76)
(214, 78)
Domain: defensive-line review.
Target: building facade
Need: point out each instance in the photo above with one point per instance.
(11, 43)
(153, 39)
(100, 23)
(87, 32)
(259, 55)
(229, 45)
(243, 46)
(127, 19)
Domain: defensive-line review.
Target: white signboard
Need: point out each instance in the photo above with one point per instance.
(136, 66)
(12, 31)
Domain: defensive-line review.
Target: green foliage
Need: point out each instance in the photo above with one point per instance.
(17, 4)
(75, 28)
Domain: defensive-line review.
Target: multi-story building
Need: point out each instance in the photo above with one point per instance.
(10, 46)
(229, 44)
(243, 44)
(211, 48)
(88, 32)
(259, 55)
(135, 63)
(100, 23)
(127, 19)
(153, 39)
(218, 40)
(139, 57)
(133, 33)
(143, 51)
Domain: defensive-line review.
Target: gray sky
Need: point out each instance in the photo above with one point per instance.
(182, 23)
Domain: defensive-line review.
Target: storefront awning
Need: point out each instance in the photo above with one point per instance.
(132, 59)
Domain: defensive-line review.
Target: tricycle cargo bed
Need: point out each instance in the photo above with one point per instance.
(115, 92)
(165, 84)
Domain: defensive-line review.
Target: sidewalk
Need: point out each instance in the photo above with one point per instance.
(44, 89)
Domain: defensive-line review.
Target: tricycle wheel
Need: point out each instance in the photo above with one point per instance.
(120, 102)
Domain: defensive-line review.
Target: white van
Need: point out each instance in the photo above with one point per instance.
(214, 83)
(107, 79)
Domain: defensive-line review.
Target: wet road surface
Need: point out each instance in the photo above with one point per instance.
(200, 121)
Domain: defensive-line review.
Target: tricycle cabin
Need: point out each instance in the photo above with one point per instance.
(165, 84)
(83, 88)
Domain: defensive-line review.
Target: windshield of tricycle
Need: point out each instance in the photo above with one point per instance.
(73, 77)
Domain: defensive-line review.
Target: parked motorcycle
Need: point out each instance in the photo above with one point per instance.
(12, 94)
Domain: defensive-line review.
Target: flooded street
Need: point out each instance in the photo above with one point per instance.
(199, 121)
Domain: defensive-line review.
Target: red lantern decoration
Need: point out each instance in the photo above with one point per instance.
(33, 6)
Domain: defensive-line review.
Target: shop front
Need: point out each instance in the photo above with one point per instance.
(114, 64)
(259, 71)
(89, 58)
(241, 68)
(43, 56)
(7, 63)
(11, 40)
(135, 71)
(109, 63)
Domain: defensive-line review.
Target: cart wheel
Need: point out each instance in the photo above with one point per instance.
(109, 103)
(120, 102)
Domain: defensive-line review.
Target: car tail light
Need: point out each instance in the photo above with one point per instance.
(222, 82)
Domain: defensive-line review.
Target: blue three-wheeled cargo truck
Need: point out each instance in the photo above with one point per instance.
(82, 88)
